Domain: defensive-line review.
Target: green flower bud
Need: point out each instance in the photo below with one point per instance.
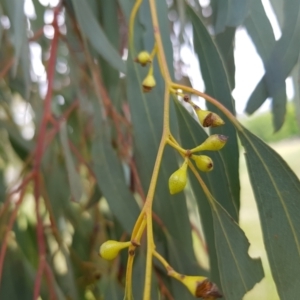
(148, 83)
(110, 249)
(214, 142)
(204, 163)
(143, 58)
(178, 179)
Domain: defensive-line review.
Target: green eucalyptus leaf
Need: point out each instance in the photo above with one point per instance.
(21, 146)
(15, 9)
(260, 30)
(96, 36)
(276, 189)
(229, 13)
(73, 176)
(238, 271)
(110, 176)
(18, 280)
(279, 11)
(217, 86)
(225, 43)
(113, 290)
(283, 58)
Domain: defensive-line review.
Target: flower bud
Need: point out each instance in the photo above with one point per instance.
(178, 179)
(214, 142)
(143, 58)
(204, 163)
(110, 249)
(148, 83)
(208, 118)
(201, 287)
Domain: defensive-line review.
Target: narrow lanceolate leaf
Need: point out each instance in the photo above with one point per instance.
(111, 180)
(281, 62)
(278, 10)
(221, 17)
(92, 30)
(276, 189)
(225, 43)
(238, 11)
(73, 176)
(261, 32)
(110, 175)
(239, 272)
(15, 10)
(229, 13)
(216, 83)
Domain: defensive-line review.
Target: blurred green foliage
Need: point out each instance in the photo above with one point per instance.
(261, 125)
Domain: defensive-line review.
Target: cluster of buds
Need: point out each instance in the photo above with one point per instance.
(178, 179)
(149, 82)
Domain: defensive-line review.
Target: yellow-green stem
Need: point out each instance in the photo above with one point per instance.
(213, 101)
(176, 146)
(149, 200)
(161, 54)
(128, 279)
(134, 11)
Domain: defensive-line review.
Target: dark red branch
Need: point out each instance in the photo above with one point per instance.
(47, 116)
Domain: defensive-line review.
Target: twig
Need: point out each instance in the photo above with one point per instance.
(39, 154)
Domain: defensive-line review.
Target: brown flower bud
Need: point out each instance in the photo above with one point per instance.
(208, 118)
(201, 287)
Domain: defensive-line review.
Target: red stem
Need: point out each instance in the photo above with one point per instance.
(50, 280)
(39, 154)
(81, 159)
(16, 190)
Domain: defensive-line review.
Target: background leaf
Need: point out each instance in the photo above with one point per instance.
(91, 28)
(281, 62)
(277, 201)
(216, 85)
(232, 248)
